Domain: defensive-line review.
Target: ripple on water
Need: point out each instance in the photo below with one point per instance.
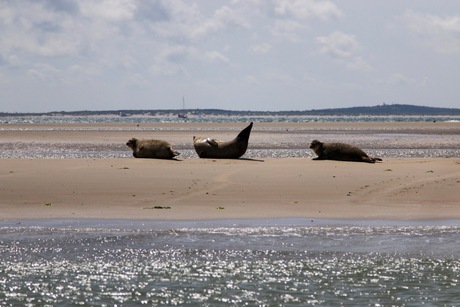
(329, 265)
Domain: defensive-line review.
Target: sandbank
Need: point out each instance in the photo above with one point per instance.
(209, 189)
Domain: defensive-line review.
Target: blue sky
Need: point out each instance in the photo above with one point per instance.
(237, 55)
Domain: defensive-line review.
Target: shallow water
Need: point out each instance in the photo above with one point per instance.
(230, 263)
(266, 142)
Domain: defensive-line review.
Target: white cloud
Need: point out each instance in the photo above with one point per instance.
(261, 48)
(176, 54)
(343, 48)
(223, 18)
(7, 14)
(216, 57)
(358, 63)
(47, 74)
(249, 2)
(85, 71)
(111, 10)
(251, 80)
(33, 29)
(338, 44)
(170, 59)
(137, 81)
(304, 9)
(166, 69)
(400, 79)
(288, 29)
(174, 60)
(440, 33)
(187, 22)
(11, 60)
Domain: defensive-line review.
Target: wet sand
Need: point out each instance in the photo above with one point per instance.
(259, 186)
(268, 140)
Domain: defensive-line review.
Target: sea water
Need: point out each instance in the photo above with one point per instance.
(242, 262)
(225, 118)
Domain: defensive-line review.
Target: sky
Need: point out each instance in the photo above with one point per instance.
(264, 55)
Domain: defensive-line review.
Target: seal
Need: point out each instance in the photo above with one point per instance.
(155, 149)
(340, 151)
(215, 149)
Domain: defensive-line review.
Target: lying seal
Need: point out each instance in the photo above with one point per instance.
(340, 151)
(212, 148)
(155, 149)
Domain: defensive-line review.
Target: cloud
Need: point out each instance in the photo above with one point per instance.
(32, 28)
(169, 60)
(261, 48)
(46, 74)
(338, 44)
(67, 6)
(174, 54)
(137, 81)
(343, 48)
(86, 71)
(440, 33)
(223, 18)
(153, 11)
(174, 60)
(358, 63)
(216, 57)
(166, 69)
(401, 80)
(110, 10)
(288, 29)
(187, 22)
(303, 9)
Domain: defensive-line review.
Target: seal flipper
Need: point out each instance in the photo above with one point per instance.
(212, 142)
(173, 152)
(244, 134)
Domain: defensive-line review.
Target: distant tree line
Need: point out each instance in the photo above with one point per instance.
(379, 110)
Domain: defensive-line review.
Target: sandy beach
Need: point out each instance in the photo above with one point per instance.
(201, 189)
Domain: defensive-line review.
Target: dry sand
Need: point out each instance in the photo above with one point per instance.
(195, 188)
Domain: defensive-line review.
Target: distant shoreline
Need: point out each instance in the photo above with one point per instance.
(379, 110)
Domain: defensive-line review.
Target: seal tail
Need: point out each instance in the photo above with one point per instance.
(244, 134)
(376, 160)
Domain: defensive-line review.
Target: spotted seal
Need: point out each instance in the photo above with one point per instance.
(156, 149)
(340, 151)
(215, 149)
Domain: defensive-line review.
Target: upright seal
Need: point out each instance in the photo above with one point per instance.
(215, 149)
(155, 149)
(341, 152)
